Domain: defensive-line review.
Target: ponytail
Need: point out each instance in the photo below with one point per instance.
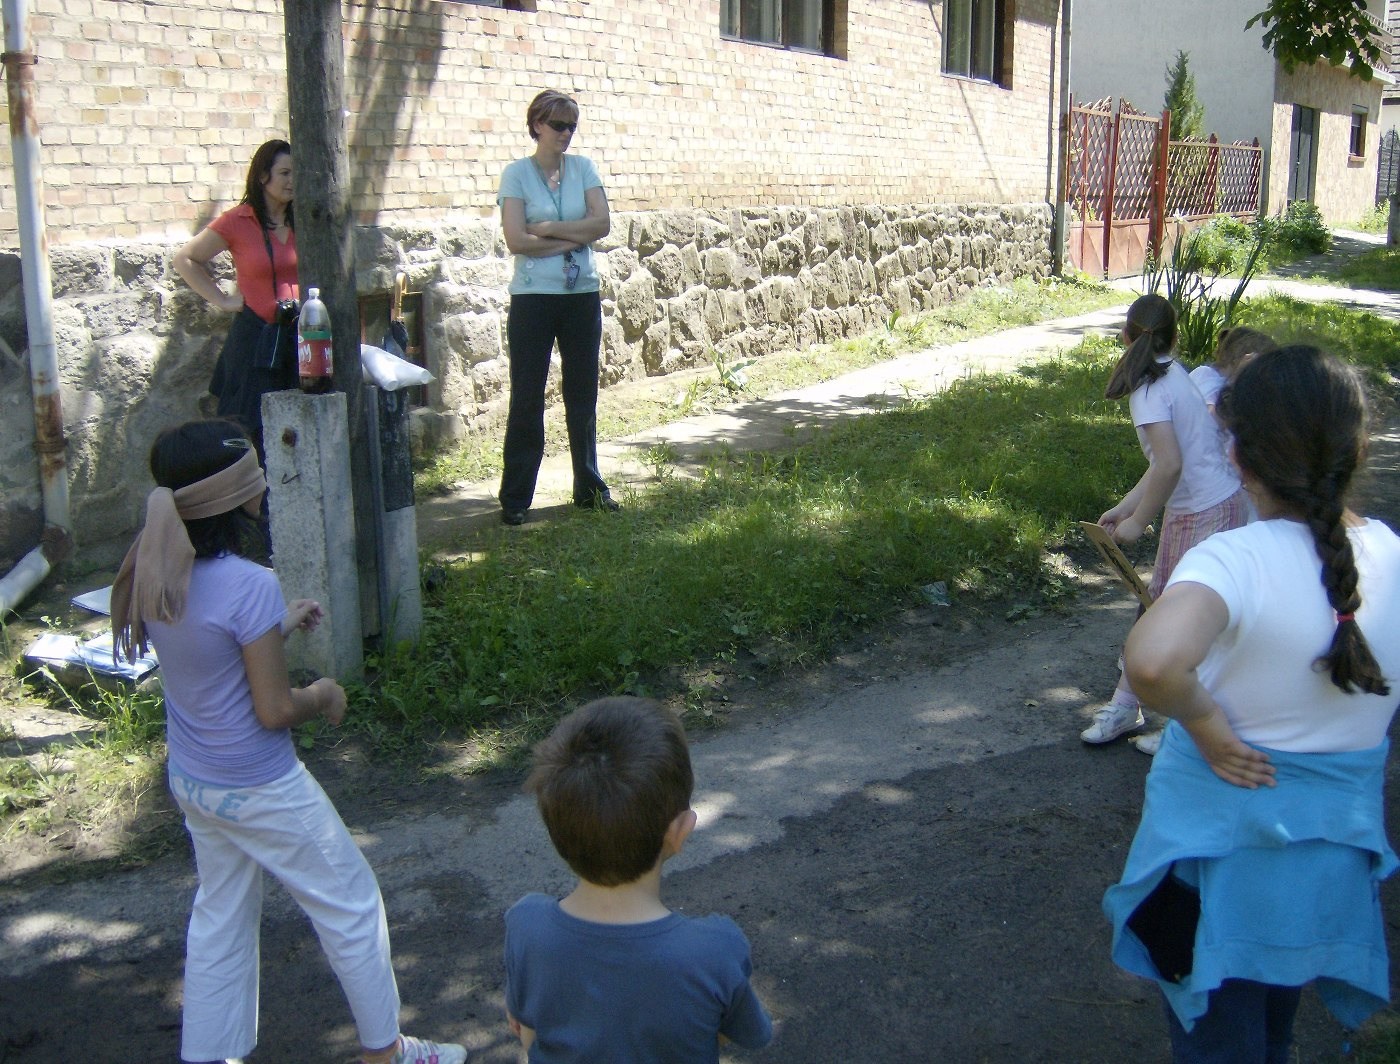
(1348, 660)
(1299, 421)
(1151, 333)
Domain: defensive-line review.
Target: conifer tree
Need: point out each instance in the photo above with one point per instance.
(1188, 115)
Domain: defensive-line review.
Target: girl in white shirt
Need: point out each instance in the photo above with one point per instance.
(1187, 474)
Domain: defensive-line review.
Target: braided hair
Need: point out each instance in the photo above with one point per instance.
(1151, 333)
(1299, 422)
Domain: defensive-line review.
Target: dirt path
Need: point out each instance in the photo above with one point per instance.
(912, 836)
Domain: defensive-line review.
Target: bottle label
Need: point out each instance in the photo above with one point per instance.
(314, 356)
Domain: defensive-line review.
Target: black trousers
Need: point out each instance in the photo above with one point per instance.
(535, 323)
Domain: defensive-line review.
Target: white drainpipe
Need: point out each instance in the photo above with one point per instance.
(57, 539)
(1062, 145)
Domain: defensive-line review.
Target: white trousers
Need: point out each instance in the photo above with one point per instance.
(290, 828)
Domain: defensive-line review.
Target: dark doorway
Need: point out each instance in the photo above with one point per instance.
(1302, 144)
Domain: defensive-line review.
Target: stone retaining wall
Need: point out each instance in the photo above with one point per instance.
(136, 346)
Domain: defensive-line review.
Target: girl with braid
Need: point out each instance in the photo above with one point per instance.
(1273, 650)
(1187, 475)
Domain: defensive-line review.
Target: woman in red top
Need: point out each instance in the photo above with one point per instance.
(259, 353)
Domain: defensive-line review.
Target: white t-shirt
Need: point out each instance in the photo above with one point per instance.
(1206, 477)
(1260, 669)
(1209, 381)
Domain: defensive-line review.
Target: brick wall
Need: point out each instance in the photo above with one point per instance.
(149, 112)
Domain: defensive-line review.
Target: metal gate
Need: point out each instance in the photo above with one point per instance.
(1126, 178)
(1387, 166)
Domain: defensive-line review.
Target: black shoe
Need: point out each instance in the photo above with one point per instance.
(601, 501)
(513, 517)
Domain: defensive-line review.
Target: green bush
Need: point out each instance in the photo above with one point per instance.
(1297, 232)
(1223, 244)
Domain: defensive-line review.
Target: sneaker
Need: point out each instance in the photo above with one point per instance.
(1111, 721)
(1149, 744)
(421, 1051)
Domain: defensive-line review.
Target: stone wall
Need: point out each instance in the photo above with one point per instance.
(136, 346)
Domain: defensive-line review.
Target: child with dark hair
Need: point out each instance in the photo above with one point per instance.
(608, 973)
(1256, 866)
(1187, 475)
(218, 622)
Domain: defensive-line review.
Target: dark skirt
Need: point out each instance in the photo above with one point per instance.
(256, 358)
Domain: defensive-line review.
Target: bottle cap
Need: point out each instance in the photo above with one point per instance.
(313, 293)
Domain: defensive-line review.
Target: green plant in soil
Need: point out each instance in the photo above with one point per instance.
(1188, 281)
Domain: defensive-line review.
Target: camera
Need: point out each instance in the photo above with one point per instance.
(287, 311)
(571, 270)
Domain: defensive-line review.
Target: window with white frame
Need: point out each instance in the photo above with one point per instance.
(974, 33)
(806, 25)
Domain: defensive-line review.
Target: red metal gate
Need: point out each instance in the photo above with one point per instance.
(1126, 178)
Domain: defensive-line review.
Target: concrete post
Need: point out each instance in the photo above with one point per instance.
(313, 525)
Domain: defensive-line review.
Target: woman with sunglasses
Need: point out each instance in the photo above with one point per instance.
(552, 208)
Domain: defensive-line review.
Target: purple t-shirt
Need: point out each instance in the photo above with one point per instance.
(212, 733)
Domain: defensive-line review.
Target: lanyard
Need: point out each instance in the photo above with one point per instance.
(272, 259)
(557, 200)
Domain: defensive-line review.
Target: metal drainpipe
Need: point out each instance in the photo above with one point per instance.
(1062, 147)
(57, 539)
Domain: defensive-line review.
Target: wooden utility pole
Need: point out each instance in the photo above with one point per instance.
(325, 241)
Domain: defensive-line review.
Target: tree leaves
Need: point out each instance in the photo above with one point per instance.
(1302, 32)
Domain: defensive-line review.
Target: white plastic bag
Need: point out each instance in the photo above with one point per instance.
(386, 370)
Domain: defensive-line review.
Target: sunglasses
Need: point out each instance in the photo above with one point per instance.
(561, 127)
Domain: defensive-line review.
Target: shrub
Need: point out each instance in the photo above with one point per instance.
(1223, 244)
(1297, 232)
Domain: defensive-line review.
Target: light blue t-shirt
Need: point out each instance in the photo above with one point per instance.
(654, 993)
(212, 733)
(522, 180)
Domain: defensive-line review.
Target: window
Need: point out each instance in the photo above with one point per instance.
(806, 25)
(973, 39)
(1358, 132)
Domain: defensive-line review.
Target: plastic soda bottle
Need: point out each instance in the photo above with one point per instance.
(314, 345)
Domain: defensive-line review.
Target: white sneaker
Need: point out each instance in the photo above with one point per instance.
(421, 1051)
(1149, 744)
(1111, 721)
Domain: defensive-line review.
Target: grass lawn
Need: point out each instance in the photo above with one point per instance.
(768, 557)
(1377, 269)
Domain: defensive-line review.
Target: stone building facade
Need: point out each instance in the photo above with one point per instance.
(764, 197)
